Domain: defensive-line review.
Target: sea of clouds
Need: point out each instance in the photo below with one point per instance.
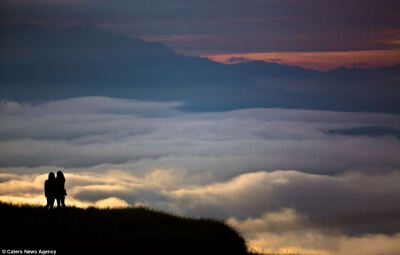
(277, 175)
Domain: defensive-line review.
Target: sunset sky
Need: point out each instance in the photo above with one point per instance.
(327, 33)
(320, 61)
(297, 160)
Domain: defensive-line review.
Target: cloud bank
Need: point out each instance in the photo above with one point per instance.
(280, 176)
(83, 132)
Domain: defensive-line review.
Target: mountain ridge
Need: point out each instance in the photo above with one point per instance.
(28, 28)
(48, 64)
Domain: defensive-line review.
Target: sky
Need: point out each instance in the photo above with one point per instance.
(290, 180)
(364, 33)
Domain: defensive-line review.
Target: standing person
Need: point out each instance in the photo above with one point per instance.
(60, 189)
(50, 190)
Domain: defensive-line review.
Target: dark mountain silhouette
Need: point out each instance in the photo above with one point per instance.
(272, 70)
(341, 89)
(115, 231)
(43, 64)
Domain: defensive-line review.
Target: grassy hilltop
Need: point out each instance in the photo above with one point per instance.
(114, 231)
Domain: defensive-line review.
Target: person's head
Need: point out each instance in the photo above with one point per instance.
(51, 176)
(60, 175)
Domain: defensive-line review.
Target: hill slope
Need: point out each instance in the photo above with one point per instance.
(114, 231)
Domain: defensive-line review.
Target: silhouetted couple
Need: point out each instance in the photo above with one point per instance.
(54, 189)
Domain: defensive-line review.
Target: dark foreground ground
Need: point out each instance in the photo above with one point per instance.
(113, 231)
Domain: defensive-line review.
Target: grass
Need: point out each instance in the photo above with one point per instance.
(74, 230)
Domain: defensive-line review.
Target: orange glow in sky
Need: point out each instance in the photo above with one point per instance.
(321, 61)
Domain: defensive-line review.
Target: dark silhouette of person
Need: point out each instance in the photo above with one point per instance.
(50, 190)
(60, 189)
